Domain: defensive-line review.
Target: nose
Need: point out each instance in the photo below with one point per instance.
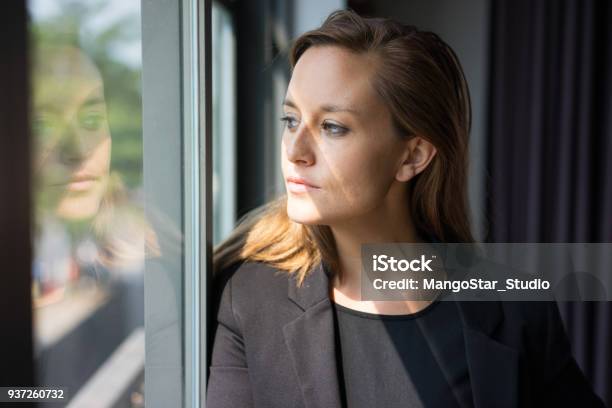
(298, 146)
(71, 148)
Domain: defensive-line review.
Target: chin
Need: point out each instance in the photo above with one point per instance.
(303, 213)
(76, 208)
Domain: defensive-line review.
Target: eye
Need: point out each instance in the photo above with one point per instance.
(290, 122)
(91, 120)
(333, 129)
(45, 126)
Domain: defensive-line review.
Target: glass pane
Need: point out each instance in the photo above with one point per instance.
(224, 119)
(90, 236)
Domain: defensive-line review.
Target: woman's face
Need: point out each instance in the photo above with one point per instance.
(73, 143)
(339, 137)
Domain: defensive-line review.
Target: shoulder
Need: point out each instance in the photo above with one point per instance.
(537, 329)
(536, 316)
(254, 291)
(528, 326)
(547, 353)
(528, 323)
(258, 279)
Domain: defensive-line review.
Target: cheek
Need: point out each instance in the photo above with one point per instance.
(283, 158)
(102, 153)
(356, 182)
(98, 161)
(360, 179)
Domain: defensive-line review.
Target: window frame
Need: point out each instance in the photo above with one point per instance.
(177, 136)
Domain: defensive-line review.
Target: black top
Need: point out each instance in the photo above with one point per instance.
(274, 347)
(414, 360)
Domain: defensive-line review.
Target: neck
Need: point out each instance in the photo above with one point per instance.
(388, 223)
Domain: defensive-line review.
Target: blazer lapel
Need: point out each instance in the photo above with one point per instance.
(311, 341)
(493, 366)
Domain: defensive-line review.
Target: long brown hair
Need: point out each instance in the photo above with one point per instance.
(422, 83)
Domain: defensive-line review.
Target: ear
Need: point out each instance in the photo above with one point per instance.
(418, 154)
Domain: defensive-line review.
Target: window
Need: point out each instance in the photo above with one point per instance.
(224, 122)
(90, 236)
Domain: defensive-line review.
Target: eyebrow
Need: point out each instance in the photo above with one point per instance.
(94, 97)
(326, 107)
(93, 100)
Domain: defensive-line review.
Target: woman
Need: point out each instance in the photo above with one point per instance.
(374, 150)
(86, 223)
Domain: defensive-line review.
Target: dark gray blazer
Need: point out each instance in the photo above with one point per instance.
(274, 347)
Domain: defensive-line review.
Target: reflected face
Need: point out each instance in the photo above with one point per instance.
(339, 138)
(72, 136)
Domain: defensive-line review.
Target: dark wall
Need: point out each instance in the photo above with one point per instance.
(15, 251)
(263, 30)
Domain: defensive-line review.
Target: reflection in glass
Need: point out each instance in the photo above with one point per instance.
(90, 237)
(72, 134)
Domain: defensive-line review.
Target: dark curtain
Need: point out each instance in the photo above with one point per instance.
(550, 145)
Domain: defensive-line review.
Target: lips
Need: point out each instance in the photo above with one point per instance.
(82, 177)
(77, 178)
(81, 182)
(299, 185)
(302, 181)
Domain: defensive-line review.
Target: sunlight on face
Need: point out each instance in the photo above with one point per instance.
(339, 137)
